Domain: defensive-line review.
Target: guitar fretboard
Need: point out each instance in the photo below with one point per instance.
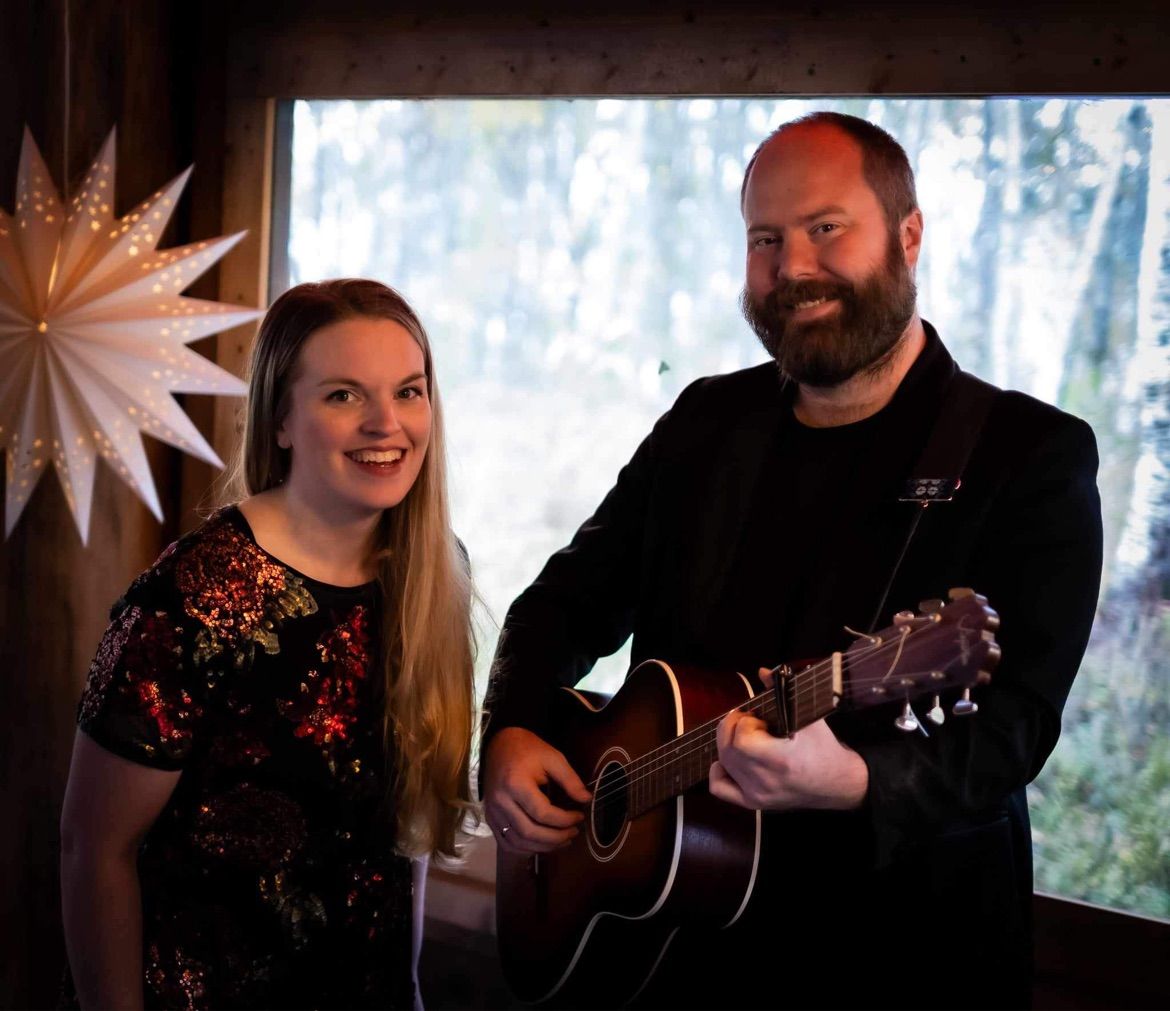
(673, 768)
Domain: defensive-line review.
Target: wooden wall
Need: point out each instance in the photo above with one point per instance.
(194, 82)
(354, 49)
(134, 63)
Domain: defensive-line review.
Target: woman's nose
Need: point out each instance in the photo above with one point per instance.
(382, 416)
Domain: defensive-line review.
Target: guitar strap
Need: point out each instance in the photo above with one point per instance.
(937, 475)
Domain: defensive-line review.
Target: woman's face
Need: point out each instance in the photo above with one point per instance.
(359, 419)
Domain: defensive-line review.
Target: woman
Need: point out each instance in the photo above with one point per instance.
(279, 715)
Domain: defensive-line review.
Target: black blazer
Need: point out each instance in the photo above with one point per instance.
(945, 826)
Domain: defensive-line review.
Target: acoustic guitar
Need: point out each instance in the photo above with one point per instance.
(585, 926)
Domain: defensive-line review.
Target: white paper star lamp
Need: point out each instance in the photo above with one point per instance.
(93, 335)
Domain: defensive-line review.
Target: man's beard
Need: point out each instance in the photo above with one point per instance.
(869, 320)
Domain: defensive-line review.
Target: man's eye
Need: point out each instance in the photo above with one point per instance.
(765, 240)
(825, 228)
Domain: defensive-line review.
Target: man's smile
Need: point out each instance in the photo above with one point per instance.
(809, 304)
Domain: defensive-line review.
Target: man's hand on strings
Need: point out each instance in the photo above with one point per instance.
(759, 771)
(524, 820)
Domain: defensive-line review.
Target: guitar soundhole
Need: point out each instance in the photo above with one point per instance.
(610, 803)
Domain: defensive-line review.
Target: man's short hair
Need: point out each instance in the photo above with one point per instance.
(883, 161)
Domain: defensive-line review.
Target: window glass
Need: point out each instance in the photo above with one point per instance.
(578, 262)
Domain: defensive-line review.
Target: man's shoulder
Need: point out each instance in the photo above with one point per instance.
(1027, 430)
(758, 382)
(1023, 412)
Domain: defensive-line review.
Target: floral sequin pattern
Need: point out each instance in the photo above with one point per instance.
(181, 981)
(329, 700)
(239, 746)
(239, 596)
(298, 911)
(106, 661)
(270, 879)
(139, 658)
(251, 828)
(366, 898)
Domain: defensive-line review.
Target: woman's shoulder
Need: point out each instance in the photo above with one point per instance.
(221, 583)
(220, 530)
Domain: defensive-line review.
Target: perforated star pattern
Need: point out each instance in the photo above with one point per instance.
(93, 335)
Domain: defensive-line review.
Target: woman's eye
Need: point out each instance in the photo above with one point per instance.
(410, 392)
(341, 396)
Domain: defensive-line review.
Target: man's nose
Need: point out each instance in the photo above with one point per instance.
(796, 259)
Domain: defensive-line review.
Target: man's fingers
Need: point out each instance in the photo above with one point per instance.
(724, 787)
(767, 676)
(542, 811)
(567, 779)
(743, 731)
(523, 834)
(725, 732)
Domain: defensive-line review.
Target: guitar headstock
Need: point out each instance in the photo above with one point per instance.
(941, 646)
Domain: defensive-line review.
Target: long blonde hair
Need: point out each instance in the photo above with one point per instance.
(427, 648)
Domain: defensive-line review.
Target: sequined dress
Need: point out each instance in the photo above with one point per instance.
(270, 879)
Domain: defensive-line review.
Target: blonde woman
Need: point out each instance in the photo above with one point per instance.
(280, 714)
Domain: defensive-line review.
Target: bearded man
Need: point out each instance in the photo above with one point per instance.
(761, 521)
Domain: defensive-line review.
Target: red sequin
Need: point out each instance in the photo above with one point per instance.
(238, 594)
(329, 702)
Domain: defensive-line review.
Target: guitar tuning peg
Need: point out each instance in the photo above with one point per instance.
(903, 618)
(907, 721)
(873, 640)
(965, 706)
(935, 714)
(960, 592)
(931, 606)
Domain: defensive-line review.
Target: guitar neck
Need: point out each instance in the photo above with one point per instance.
(685, 761)
(944, 646)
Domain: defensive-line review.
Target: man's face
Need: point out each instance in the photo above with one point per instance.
(829, 287)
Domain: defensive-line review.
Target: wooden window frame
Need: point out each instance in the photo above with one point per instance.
(1087, 956)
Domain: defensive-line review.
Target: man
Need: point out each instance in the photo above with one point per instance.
(761, 517)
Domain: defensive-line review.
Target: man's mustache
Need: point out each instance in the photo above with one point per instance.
(787, 294)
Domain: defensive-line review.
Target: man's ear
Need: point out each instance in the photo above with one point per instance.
(910, 236)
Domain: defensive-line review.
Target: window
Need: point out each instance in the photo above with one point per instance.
(578, 262)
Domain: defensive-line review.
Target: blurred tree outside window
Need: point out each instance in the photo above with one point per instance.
(577, 263)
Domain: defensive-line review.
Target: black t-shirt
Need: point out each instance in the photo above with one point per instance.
(812, 490)
(819, 495)
(270, 879)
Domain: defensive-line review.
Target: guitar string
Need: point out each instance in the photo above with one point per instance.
(645, 764)
(644, 769)
(613, 784)
(677, 749)
(653, 762)
(809, 685)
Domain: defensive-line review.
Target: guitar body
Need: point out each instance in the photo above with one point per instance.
(587, 925)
